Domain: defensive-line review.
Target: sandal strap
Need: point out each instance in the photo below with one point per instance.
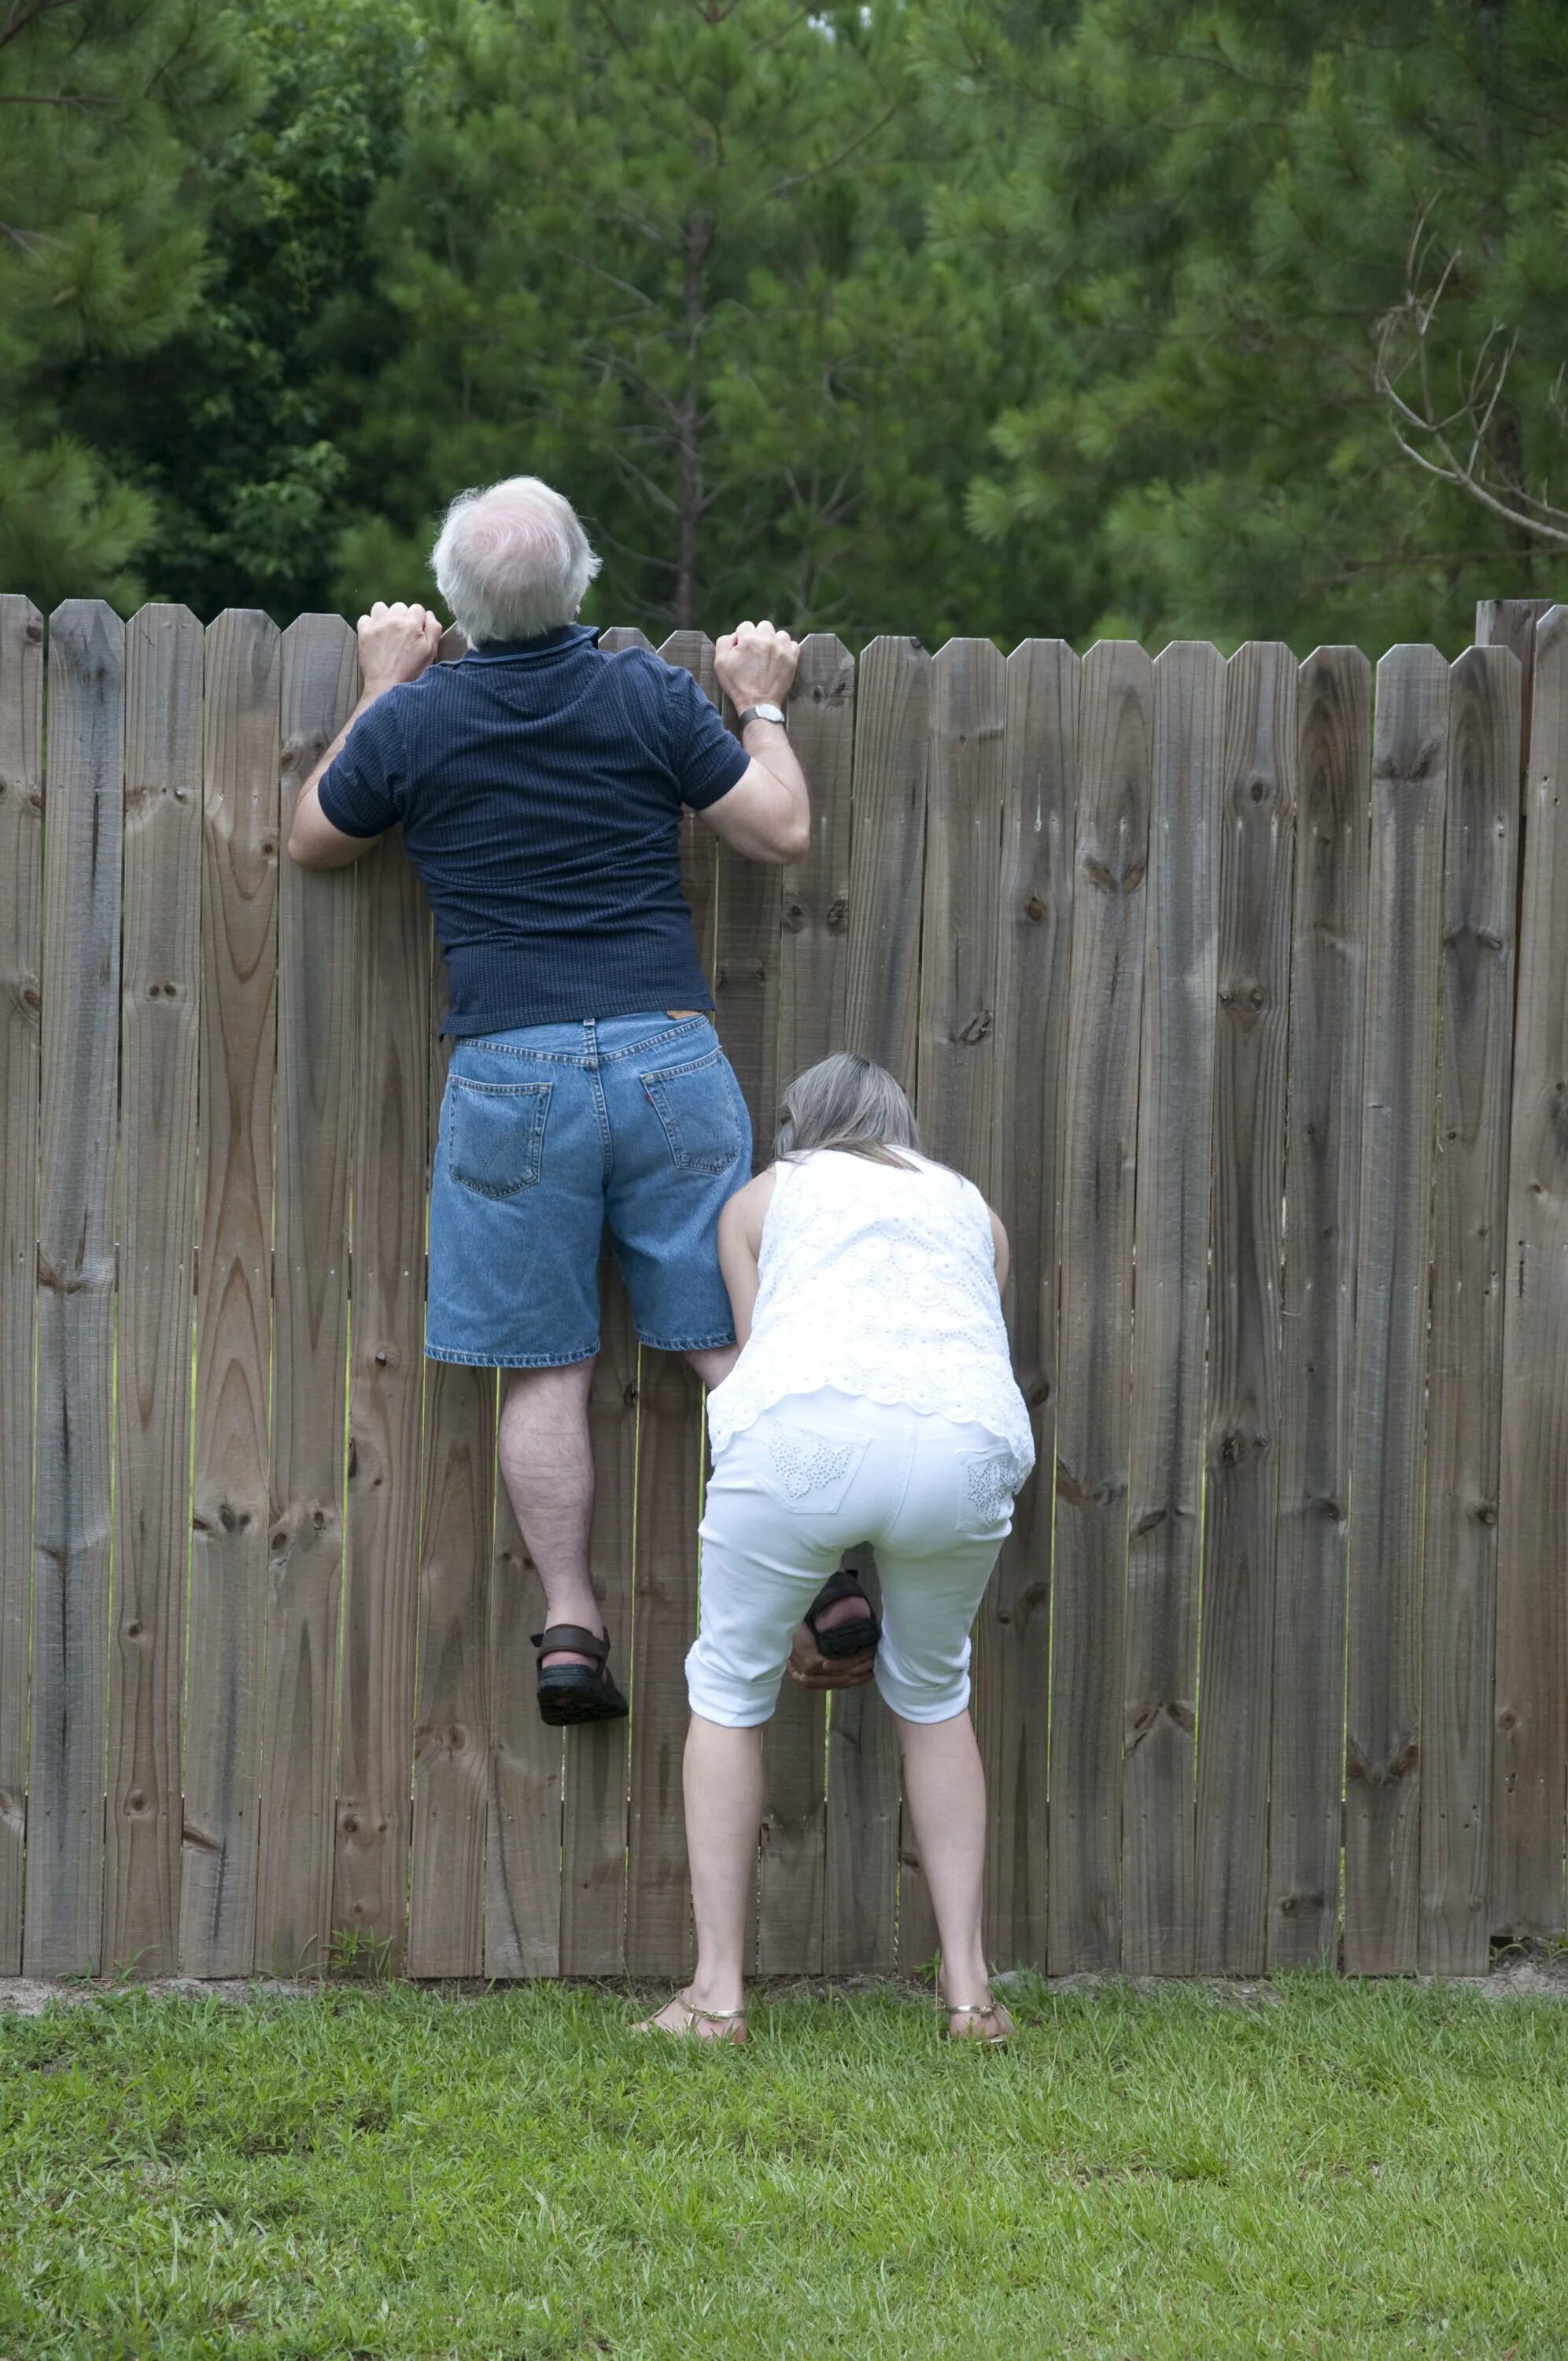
(973, 2008)
(845, 1584)
(711, 2015)
(573, 1638)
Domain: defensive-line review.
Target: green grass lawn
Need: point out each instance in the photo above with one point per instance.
(1324, 2168)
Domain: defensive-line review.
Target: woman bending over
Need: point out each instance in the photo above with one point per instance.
(873, 1400)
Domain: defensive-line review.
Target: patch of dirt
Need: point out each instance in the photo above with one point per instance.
(30, 1995)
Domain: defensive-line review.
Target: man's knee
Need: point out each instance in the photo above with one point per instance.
(569, 1381)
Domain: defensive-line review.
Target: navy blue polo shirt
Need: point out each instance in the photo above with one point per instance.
(540, 786)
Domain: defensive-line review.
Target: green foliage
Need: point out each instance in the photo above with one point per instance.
(107, 105)
(1307, 2167)
(1216, 205)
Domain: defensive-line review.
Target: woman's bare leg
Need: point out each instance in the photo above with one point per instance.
(944, 1785)
(724, 1814)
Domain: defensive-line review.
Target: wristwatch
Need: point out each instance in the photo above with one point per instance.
(761, 713)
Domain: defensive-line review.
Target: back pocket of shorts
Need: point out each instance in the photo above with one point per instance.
(990, 1484)
(806, 1469)
(497, 1136)
(696, 1105)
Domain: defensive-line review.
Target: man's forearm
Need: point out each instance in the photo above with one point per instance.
(768, 742)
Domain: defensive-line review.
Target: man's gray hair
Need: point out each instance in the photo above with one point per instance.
(512, 561)
(849, 1103)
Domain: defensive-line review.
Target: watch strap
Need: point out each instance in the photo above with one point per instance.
(761, 713)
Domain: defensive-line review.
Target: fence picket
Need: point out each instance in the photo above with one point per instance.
(21, 956)
(792, 1864)
(1464, 1399)
(882, 1007)
(1034, 951)
(1323, 1178)
(237, 1060)
(1241, 1469)
(1104, 1015)
(73, 1463)
(160, 1005)
(1176, 1112)
(1531, 1758)
(1400, 1095)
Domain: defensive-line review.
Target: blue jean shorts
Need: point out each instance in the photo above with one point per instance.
(548, 1133)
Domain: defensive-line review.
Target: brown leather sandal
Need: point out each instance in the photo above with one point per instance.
(574, 1693)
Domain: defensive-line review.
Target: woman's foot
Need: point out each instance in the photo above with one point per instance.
(984, 2020)
(686, 2020)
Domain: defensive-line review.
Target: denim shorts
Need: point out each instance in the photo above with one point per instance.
(546, 1133)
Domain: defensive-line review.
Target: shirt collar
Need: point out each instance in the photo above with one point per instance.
(545, 644)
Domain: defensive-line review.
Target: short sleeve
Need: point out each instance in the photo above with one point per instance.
(361, 791)
(706, 759)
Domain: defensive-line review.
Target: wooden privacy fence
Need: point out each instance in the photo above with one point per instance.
(1205, 969)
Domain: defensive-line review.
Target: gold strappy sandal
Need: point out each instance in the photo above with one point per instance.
(991, 2007)
(732, 2019)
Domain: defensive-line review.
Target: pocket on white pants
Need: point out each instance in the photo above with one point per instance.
(988, 1487)
(807, 1469)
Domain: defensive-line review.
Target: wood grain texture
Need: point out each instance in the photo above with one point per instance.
(1511, 623)
(814, 912)
(1034, 951)
(522, 1858)
(1466, 1380)
(234, 1294)
(317, 975)
(1400, 1098)
(956, 1062)
(392, 1057)
(669, 1480)
(21, 958)
(1104, 1015)
(1530, 1747)
(1242, 1458)
(160, 1000)
(1176, 1114)
(1322, 1182)
(73, 1461)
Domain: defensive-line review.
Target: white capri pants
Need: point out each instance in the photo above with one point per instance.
(809, 1478)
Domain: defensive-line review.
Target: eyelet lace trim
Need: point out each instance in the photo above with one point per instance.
(806, 1464)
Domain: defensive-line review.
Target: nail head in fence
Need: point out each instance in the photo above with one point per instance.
(1176, 1112)
(238, 1063)
(1531, 1725)
(21, 953)
(160, 1004)
(813, 909)
(1469, 1252)
(1323, 1180)
(74, 1435)
(1034, 951)
(1104, 1014)
(1242, 1466)
(392, 1058)
(1394, 1240)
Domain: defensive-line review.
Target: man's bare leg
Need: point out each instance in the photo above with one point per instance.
(547, 1464)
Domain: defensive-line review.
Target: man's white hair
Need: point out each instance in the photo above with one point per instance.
(512, 561)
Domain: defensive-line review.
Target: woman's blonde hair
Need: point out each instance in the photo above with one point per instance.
(851, 1103)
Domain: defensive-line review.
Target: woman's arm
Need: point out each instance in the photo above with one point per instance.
(739, 1244)
(1000, 1248)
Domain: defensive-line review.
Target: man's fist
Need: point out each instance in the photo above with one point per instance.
(813, 1670)
(396, 642)
(755, 665)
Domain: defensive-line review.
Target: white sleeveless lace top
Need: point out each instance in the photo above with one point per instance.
(882, 1283)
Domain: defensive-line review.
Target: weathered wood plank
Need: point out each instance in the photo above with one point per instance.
(522, 1860)
(670, 1447)
(1465, 1382)
(1241, 1469)
(1511, 623)
(74, 1466)
(1176, 1114)
(1323, 1180)
(882, 1010)
(1530, 1746)
(792, 1866)
(234, 1294)
(1400, 1098)
(393, 1066)
(161, 989)
(21, 956)
(1034, 949)
(317, 975)
(955, 1063)
(1105, 1016)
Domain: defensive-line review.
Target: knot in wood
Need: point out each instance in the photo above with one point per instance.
(838, 913)
(977, 1028)
(1034, 907)
(793, 917)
